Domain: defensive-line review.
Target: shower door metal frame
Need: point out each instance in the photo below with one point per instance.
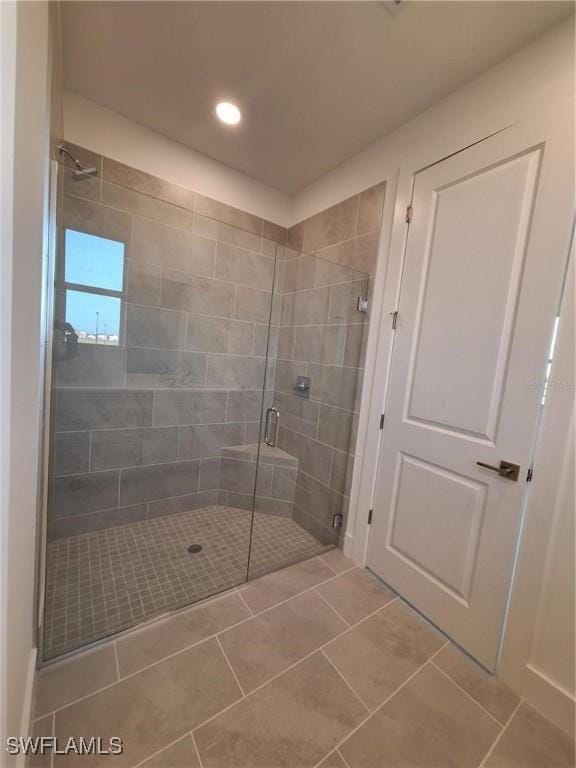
(264, 415)
(49, 258)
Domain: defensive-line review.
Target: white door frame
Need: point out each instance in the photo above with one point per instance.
(379, 347)
(527, 663)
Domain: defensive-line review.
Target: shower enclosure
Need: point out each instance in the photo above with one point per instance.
(204, 391)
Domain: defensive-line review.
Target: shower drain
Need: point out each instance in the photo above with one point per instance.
(194, 548)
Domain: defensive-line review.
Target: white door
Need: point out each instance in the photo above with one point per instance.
(485, 257)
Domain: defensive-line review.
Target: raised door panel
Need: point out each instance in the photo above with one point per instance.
(469, 286)
(435, 523)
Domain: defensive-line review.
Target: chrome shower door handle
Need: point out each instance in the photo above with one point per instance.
(505, 469)
(267, 439)
(267, 427)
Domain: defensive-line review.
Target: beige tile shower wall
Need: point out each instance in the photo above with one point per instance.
(323, 336)
(138, 428)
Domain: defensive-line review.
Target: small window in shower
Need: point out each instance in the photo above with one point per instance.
(93, 284)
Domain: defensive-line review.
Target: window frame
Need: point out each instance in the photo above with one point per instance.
(66, 286)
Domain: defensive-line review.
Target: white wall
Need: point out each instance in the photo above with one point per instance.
(538, 654)
(25, 129)
(540, 74)
(108, 133)
(7, 110)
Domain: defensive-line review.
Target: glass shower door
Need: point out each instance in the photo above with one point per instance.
(318, 329)
(203, 404)
(161, 326)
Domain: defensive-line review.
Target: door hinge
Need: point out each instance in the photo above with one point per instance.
(394, 319)
(370, 516)
(382, 421)
(409, 212)
(362, 304)
(530, 475)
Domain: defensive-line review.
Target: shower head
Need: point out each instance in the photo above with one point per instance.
(80, 172)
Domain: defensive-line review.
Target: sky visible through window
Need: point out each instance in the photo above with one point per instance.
(97, 262)
(91, 313)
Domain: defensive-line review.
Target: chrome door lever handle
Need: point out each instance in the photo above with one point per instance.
(505, 469)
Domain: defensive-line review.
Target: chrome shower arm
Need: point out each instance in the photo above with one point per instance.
(63, 150)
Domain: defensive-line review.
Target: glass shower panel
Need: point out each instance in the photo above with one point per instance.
(318, 329)
(159, 368)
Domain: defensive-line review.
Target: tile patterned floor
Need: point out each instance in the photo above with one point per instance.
(315, 665)
(102, 582)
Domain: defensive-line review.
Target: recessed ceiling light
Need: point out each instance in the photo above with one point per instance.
(228, 113)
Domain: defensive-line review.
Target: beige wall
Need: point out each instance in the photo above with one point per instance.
(22, 255)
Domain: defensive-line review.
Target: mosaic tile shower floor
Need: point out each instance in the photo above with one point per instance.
(102, 582)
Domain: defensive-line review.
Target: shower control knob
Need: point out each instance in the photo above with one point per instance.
(302, 386)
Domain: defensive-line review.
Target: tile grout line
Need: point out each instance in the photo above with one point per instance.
(448, 677)
(196, 749)
(356, 220)
(304, 658)
(158, 751)
(164, 615)
(213, 636)
(370, 615)
(320, 557)
(227, 660)
(341, 756)
(250, 611)
(332, 608)
(502, 731)
(341, 676)
(255, 690)
(308, 589)
(176, 653)
(116, 660)
(386, 700)
(336, 573)
(53, 733)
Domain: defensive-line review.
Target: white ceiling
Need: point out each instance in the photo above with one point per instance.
(317, 81)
